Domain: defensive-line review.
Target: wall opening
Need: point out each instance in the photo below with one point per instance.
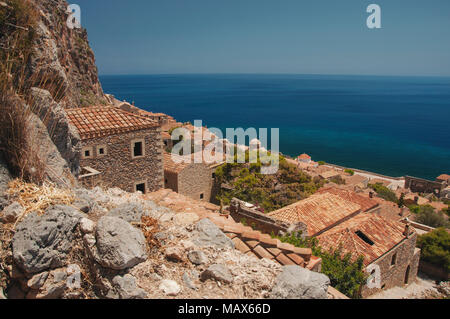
(140, 188)
(201, 196)
(137, 149)
(407, 274)
(364, 237)
(394, 259)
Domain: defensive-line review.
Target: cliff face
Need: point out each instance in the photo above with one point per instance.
(62, 61)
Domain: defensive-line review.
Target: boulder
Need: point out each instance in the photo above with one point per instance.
(170, 287)
(5, 177)
(296, 282)
(12, 212)
(210, 235)
(38, 280)
(119, 245)
(43, 242)
(126, 287)
(87, 226)
(217, 272)
(174, 254)
(197, 257)
(53, 287)
(129, 212)
(183, 219)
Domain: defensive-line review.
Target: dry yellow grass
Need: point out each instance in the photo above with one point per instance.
(36, 198)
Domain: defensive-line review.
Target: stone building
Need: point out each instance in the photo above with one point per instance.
(119, 149)
(420, 185)
(341, 218)
(195, 180)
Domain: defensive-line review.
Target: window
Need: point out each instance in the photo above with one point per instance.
(137, 148)
(201, 196)
(140, 187)
(166, 181)
(364, 237)
(86, 152)
(213, 175)
(394, 259)
(101, 150)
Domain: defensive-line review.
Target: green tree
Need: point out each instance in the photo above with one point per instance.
(384, 192)
(435, 247)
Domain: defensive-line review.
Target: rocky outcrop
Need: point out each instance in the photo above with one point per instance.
(299, 283)
(210, 235)
(62, 61)
(119, 245)
(43, 242)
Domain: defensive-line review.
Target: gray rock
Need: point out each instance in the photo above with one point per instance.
(5, 177)
(170, 287)
(127, 289)
(197, 257)
(54, 286)
(296, 282)
(12, 212)
(37, 281)
(174, 254)
(210, 235)
(42, 242)
(189, 282)
(87, 226)
(119, 245)
(217, 272)
(129, 212)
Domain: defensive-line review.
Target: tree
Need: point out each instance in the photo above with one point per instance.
(384, 192)
(435, 247)
(426, 215)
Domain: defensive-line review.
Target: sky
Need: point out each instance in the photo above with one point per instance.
(268, 36)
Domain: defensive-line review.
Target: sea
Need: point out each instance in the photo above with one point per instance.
(389, 125)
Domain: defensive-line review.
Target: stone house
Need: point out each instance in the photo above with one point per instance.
(304, 158)
(195, 180)
(119, 149)
(443, 178)
(341, 218)
(420, 185)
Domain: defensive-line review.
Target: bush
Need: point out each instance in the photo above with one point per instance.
(384, 192)
(426, 215)
(346, 273)
(435, 248)
(350, 171)
(321, 163)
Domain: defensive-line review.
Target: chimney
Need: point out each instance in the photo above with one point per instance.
(407, 230)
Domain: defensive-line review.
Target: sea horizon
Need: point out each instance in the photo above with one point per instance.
(369, 122)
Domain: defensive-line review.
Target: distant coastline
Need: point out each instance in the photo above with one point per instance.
(365, 122)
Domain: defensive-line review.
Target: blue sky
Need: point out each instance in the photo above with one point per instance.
(268, 36)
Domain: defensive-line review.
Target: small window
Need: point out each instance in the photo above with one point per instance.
(166, 181)
(201, 196)
(213, 175)
(86, 152)
(137, 148)
(140, 187)
(364, 237)
(101, 150)
(394, 259)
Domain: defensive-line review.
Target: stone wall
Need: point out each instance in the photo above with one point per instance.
(196, 180)
(420, 185)
(394, 275)
(260, 221)
(119, 169)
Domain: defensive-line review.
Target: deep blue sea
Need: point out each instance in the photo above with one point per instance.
(391, 125)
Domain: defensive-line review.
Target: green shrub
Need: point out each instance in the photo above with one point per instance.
(346, 273)
(350, 171)
(435, 248)
(425, 214)
(321, 163)
(384, 192)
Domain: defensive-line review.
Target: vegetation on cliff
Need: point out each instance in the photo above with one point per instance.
(270, 192)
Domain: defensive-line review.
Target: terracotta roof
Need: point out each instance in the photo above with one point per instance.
(304, 156)
(318, 211)
(364, 202)
(248, 241)
(94, 122)
(383, 233)
(171, 166)
(443, 177)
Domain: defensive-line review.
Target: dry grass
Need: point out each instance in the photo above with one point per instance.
(149, 227)
(35, 198)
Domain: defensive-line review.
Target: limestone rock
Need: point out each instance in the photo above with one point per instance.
(42, 242)
(217, 272)
(197, 257)
(37, 281)
(127, 288)
(87, 226)
(119, 245)
(12, 212)
(210, 235)
(54, 286)
(129, 212)
(5, 177)
(174, 254)
(296, 282)
(170, 287)
(185, 219)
